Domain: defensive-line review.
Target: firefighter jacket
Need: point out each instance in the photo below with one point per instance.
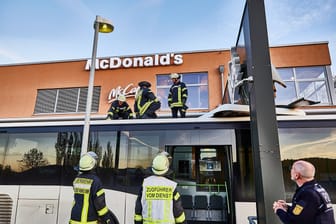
(117, 110)
(158, 202)
(178, 94)
(145, 102)
(310, 205)
(89, 200)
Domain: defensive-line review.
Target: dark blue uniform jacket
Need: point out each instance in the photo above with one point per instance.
(310, 205)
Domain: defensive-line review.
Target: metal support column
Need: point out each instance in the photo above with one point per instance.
(269, 182)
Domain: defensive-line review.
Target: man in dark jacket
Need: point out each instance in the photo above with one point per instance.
(158, 200)
(311, 203)
(146, 102)
(89, 204)
(120, 109)
(177, 97)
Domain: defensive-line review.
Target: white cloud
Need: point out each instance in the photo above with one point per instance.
(8, 56)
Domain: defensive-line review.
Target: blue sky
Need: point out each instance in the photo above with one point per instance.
(52, 30)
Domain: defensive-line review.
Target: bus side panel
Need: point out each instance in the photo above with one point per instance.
(37, 204)
(12, 192)
(36, 211)
(130, 202)
(115, 201)
(243, 210)
(65, 204)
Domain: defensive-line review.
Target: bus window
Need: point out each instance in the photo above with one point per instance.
(316, 145)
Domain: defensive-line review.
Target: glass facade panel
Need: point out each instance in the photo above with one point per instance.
(286, 73)
(310, 72)
(314, 91)
(307, 82)
(285, 95)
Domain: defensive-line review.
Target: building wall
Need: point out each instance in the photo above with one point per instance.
(312, 54)
(20, 82)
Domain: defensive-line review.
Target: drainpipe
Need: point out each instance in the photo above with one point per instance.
(221, 72)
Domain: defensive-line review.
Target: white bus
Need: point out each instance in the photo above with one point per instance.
(211, 161)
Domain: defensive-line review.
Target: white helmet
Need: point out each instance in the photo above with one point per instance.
(121, 98)
(93, 155)
(160, 164)
(174, 76)
(88, 161)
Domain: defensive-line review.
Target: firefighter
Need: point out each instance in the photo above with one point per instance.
(146, 103)
(89, 204)
(177, 96)
(158, 200)
(120, 109)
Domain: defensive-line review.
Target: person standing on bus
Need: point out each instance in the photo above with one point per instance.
(158, 200)
(177, 96)
(310, 204)
(89, 204)
(120, 109)
(146, 103)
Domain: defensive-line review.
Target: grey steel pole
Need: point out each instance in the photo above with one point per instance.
(86, 129)
(269, 182)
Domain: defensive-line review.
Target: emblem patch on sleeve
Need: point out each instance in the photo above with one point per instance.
(297, 210)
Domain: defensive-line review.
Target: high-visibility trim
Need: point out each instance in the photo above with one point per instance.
(177, 196)
(77, 222)
(85, 208)
(137, 217)
(177, 104)
(179, 93)
(181, 218)
(103, 211)
(144, 108)
(83, 181)
(100, 192)
(166, 209)
(149, 209)
(157, 221)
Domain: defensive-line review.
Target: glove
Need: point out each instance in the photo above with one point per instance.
(110, 218)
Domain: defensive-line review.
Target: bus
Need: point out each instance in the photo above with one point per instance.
(211, 160)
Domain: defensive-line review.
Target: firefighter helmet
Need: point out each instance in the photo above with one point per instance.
(160, 164)
(121, 98)
(93, 154)
(88, 161)
(144, 83)
(175, 76)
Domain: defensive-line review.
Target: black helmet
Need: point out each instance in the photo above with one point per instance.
(144, 83)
